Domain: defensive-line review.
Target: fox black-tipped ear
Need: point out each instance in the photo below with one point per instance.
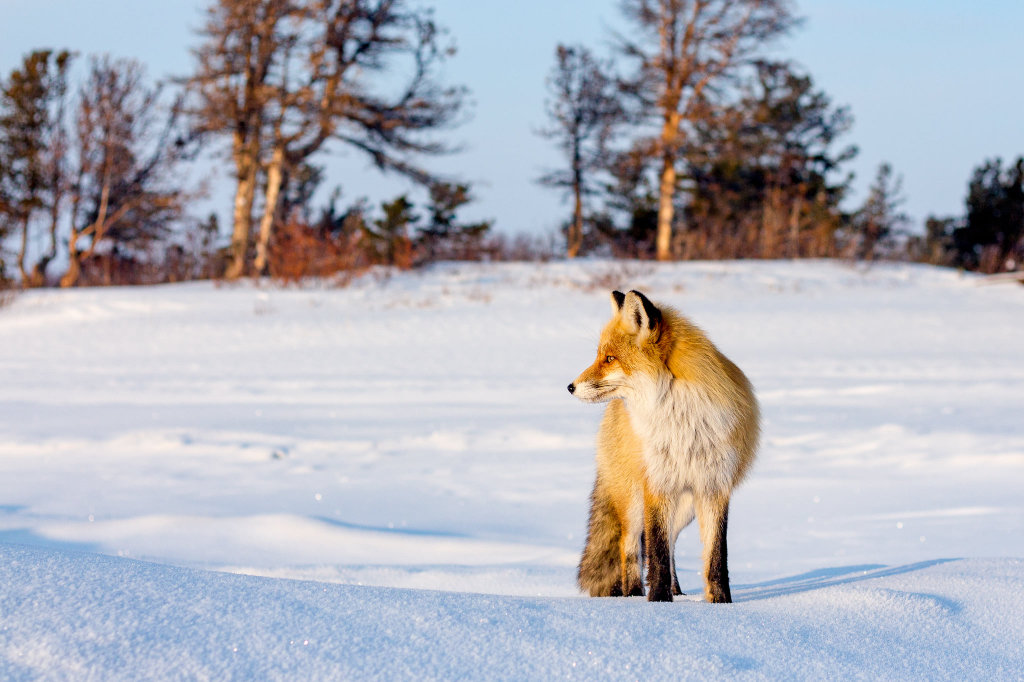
(617, 299)
(639, 315)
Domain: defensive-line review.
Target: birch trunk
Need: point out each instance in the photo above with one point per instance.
(245, 194)
(666, 210)
(74, 266)
(21, 252)
(273, 193)
(667, 188)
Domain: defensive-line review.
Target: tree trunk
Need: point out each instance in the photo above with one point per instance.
(770, 208)
(21, 252)
(667, 189)
(39, 271)
(38, 276)
(794, 225)
(274, 178)
(70, 277)
(666, 209)
(575, 237)
(245, 193)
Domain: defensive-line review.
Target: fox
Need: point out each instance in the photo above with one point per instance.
(679, 433)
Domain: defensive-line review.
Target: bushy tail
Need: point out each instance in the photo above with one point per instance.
(600, 572)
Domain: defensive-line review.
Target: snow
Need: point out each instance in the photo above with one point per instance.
(389, 480)
(88, 616)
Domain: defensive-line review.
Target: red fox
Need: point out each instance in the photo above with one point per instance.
(679, 434)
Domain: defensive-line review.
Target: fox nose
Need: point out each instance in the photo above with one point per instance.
(572, 388)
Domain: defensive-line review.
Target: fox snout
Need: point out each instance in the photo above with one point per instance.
(591, 389)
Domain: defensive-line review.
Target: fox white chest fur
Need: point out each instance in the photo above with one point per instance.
(685, 435)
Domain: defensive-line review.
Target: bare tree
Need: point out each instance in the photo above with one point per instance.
(684, 51)
(121, 193)
(584, 110)
(332, 97)
(242, 40)
(284, 78)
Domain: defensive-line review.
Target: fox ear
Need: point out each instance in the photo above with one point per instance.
(639, 315)
(617, 298)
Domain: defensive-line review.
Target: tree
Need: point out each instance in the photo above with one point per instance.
(936, 246)
(285, 77)
(126, 155)
(992, 237)
(684, 51)
(33, 149)
(763, 170)
(444, 237)
(231, 84)
(361, 40)
(629, 221)
(879, 219)
(5, 207)
(390, 233)
(584, 110)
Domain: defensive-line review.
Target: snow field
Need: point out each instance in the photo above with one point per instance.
(412, 432)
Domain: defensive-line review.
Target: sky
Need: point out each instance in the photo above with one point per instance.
(935, 87)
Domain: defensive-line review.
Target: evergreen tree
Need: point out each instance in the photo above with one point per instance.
(992, 238)
(936, 246)
(390, 233)
(629, 222)
(444, 236)
(765, 170)
(33, 149)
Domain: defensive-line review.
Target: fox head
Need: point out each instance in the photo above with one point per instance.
(628, 350)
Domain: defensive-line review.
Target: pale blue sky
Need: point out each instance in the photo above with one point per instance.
(935, 86)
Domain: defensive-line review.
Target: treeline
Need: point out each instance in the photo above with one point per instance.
(686, 142)
(95, 177)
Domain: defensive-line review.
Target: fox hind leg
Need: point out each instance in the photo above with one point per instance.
(681, 518)
(713, 516)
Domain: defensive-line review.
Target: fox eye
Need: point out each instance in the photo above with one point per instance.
(609, 358)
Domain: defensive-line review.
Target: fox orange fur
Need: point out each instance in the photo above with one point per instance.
(679, 434)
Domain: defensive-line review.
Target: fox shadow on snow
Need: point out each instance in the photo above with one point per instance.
(825, 577)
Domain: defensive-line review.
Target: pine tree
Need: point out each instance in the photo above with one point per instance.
(390, 233)
(992, 238)
(444, 236)
(879, 219)
(33, 149)
(766, 175)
